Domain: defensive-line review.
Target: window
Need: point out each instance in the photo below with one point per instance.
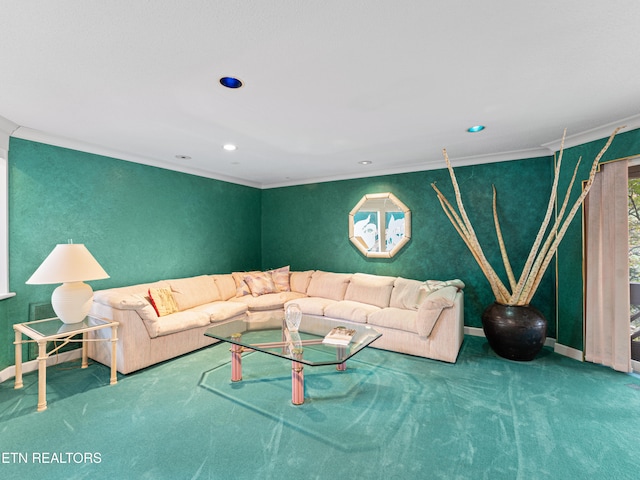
(4, 208)
(634, 256)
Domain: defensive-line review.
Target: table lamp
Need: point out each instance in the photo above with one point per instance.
(70, 264)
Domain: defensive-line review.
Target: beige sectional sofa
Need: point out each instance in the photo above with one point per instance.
(414, 317)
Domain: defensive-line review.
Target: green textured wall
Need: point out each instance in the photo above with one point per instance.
(570, 254)
(141, 223)
(144, 223)
(307, 226)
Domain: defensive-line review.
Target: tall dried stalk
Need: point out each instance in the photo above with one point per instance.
(546, 242)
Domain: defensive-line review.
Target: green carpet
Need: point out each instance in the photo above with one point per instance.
(388, 416)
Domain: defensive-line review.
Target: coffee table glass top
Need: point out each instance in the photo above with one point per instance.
(304, 346)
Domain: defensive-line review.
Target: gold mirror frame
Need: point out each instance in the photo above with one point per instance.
(375, 239)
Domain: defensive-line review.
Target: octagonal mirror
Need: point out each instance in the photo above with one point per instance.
(380, 225)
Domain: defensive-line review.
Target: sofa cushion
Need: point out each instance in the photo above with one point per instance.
(407, 294)
(280, 277)
(242, 288)
(260, 283)
(396, 318)
(226, 286)
(371, 289)
(349, 310)
(299, 281)
(179, 321)
(313, 305)
(328, 285)
(193, 291)
(269, 301)
(163, 301)
(220, 311)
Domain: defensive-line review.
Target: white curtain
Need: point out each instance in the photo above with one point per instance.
(607, 338)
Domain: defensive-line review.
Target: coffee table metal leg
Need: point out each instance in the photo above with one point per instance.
(297, 383)
(297, 379)
(236, 362)
(340, 351)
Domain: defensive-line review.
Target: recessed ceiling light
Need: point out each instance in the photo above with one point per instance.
(229, 147)
(475, 128)
(183, 157)
(230, 82)
(365, 162)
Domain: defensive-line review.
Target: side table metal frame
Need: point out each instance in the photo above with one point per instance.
(66, 338)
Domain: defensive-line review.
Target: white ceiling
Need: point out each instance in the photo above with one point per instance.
(327, 83)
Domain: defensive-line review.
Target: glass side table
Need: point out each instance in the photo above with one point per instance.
(53, 329)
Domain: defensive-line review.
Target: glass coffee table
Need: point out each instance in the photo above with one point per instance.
(304, 347)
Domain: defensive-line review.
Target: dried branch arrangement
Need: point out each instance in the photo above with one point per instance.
(521, 292)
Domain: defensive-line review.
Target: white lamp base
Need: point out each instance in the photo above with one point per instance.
(72, 301)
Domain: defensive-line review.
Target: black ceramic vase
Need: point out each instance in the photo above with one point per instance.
(516, 332)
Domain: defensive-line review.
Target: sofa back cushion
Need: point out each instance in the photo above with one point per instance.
(226, 285)
(299, 281)
(111, 296)
(193, 291)
(370, 289)
(407, 294)
(328, 285)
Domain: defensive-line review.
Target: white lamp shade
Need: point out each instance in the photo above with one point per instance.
(70, 262)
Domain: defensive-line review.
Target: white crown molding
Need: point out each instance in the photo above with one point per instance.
(434, 164)
(499, 157)
(7, 127)
(544, 150)
(26, 133)
(603, 131)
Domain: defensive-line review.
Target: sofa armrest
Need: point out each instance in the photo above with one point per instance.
(121, 301)
(431, 309)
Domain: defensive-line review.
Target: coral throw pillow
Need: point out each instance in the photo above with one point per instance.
(163, 301)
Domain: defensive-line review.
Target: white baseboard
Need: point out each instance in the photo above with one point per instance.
(32, 365)
(474, 331)
(569, 352)
(549, 342)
